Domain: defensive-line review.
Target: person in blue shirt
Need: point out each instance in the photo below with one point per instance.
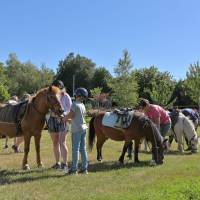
(193, 115)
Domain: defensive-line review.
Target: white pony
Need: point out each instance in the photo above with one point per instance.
(184, 127)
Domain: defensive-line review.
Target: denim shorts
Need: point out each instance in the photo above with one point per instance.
(164, 129)
(56, 125)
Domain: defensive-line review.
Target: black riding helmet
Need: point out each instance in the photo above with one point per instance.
(58, 83)
(81, 92)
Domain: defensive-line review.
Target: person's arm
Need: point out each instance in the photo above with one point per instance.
(69, 116)
(157, 122)
(68, 103)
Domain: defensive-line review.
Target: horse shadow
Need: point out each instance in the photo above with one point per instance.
(13, 176)
(177, 153)
(20, 176)
(113, 165)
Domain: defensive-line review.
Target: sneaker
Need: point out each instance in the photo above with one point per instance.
(83, 171)
(15, 148)
(72, 172)
(56, 166)
(65, 168)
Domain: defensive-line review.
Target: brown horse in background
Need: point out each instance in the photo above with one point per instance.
(33, 120)
(140, 127)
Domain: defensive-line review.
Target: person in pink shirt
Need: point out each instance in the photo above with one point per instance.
(157, 114)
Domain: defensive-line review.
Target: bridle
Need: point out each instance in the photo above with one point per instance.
(47, 102)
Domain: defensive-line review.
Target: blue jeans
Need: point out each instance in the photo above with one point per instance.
(164, 128)
(79, 144)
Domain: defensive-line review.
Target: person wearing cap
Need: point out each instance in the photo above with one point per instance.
(157, 114)
(58, 129)
(78, 129)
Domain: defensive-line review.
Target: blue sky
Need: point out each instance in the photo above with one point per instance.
(165, 34)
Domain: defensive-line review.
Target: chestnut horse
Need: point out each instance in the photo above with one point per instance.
(33, 120)
(140, 127)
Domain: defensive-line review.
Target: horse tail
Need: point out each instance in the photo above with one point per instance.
(91, 134)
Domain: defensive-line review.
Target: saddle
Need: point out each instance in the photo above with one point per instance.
(13, 113)
(124, 117)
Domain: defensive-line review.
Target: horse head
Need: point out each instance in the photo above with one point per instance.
(159, 150)
(193, 143)
(53, 100)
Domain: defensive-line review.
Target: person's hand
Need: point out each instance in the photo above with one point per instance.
(64, 119)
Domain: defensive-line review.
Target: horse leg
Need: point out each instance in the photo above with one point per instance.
(136, 150)
(179, 136)
(27, 139)
(37, 148)
(125, 147)
(130, 150)
(100, 142)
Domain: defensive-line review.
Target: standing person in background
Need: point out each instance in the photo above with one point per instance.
(78, 129)
(58, 130)
(157, 114)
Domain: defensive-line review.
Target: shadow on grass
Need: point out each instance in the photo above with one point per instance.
(8, 177)
(177, 153)
(20, 176)
(108, 166)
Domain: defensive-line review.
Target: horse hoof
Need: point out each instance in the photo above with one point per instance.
(121, 163)
(41, 166)
(152, 163)
(26, 167)
(194, 151)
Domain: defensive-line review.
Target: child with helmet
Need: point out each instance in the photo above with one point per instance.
(78, 129)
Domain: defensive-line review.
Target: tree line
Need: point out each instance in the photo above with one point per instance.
(124, 87)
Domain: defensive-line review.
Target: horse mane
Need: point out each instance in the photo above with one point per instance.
(54, 89)
(146, 122)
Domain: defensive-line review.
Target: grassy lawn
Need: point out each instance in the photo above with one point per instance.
(178, 178)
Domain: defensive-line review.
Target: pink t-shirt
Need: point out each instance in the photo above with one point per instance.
(155, 112)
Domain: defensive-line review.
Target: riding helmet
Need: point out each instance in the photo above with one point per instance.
(81, 92)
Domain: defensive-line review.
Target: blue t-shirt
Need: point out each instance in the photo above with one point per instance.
(191, 113)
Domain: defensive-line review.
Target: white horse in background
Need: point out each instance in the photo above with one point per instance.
(184, 127)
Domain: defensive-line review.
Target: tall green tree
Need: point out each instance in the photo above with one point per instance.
(100, 79)
(26, 77)
(154, 85)
(192, 82)
(79, 68)
(124, 87)
(4, 95)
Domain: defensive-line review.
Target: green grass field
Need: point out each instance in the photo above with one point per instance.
(178, 178)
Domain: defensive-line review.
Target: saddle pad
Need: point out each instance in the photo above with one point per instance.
(110, 119)
(113, 120)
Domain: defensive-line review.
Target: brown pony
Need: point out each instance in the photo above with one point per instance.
(33, 120)
(140, 127)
